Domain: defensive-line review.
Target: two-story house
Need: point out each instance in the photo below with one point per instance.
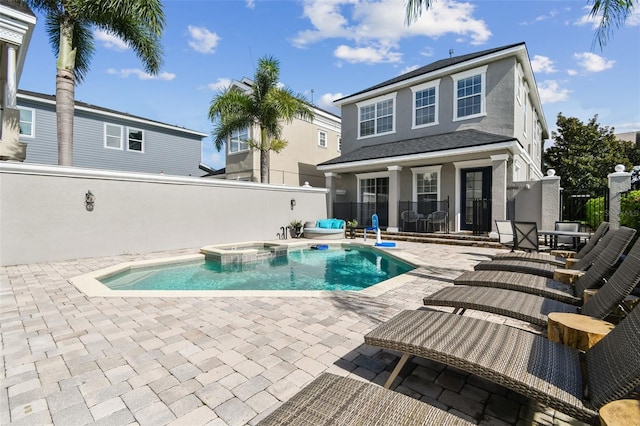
(309, 143)
(107, 139)
(451, 136)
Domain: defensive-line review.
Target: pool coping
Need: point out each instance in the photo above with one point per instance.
(89, 284)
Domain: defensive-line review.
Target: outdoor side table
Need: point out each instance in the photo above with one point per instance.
(623, 412)
(567, 276)
(576, 331)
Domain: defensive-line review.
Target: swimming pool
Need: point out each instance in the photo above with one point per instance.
(337, 268)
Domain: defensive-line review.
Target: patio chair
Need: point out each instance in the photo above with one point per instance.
(609, 246)
(525, 236)
(335, 400)
(561, 241)
(439, 218)
(409, 216)
(535, 309)
(524, 362)
(602, 268)
(505, 233)
(550, 257)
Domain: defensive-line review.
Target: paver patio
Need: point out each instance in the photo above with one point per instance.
(68, 359)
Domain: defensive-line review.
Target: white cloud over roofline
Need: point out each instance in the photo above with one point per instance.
(550, 92)
(142, 75)
(542, 64)
(369, 55)
(374, 26)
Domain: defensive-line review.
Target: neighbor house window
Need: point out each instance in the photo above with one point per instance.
(469, 93)
(524, 111)
(322, 139)
(339, 143)
(135, 140)
(425, 104)
(27, 118)
(376, 116)
(112, 136)
(238, 140)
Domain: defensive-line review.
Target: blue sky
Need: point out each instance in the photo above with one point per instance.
(332, 48)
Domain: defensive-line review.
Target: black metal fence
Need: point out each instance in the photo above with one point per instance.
(362, 212)
(421, 212)
(589, 207)
(481, 221)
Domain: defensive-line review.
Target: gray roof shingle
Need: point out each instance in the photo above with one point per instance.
(446, 141)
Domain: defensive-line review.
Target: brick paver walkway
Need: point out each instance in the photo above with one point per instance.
(72, 360)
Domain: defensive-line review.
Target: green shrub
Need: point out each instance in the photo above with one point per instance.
(630, 210)
(595, 212)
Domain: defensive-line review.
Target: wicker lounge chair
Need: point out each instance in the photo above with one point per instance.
(524, 362)
(550, 258)
(610, 247)
(534, 309)
(335, 400)
(601, 269)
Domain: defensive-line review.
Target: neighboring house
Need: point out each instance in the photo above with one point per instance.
(16, 27)
(108, 139)
(447, 136)
(309, 143)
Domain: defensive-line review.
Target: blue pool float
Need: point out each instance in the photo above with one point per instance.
(320, 247)
(385, 244)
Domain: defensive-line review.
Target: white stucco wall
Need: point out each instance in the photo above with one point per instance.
(43, 215)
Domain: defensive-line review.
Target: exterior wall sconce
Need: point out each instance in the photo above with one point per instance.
(293, 203)
(89, 200)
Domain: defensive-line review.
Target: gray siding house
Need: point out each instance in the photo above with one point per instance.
(108, 139)
(453, 136)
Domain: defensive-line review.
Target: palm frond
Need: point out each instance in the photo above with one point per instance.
(414, 9)
(611, 13)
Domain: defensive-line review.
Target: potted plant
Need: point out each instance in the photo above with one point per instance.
(295, 227)
(351, 225)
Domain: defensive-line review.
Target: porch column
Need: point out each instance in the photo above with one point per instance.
(330, 184)
(11, 148)
(394, 197)
(550, 204)
(619, 182)
(499, 175)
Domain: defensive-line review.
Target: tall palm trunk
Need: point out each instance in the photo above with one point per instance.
(65, 94)
(264, 155)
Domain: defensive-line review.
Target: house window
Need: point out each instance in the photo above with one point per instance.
(469, 95)
(339, 143)
(238, 140)
(112, 136)
(425, 104)
(322, 139)
(426, 188)
(135, 140)
(377, 117)
(374, 190)
(27, 116)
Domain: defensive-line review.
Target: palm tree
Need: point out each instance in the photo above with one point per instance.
(266, 105)
(69, 23)
(610, 12)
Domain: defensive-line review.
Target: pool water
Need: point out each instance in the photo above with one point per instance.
(335, 269)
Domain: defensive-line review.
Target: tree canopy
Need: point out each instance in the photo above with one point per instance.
(266, 105)
(584, 154)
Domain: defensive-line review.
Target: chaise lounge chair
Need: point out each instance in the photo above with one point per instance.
(534, 309)
(335, 400)
(602, 268)
(524, 362)
(609, 247)
(551, 258)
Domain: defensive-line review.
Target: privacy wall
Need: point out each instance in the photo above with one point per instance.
(45, 216)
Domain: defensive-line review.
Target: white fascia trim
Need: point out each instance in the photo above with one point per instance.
(372, 175)
(77, 172)
(327, 122)
(119, 116)
(512, 145)
(430, 76)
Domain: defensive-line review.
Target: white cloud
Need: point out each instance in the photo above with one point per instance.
(550, 92)
(369, 55)
(633, 20)
(251, 4)
(110, 41)
(326, 100)
(202, 40)
(572, 72)
(588, 19)
(220, 84)
(376, 27)
(409, 69)
(142, 75)
(542, 64)
(590, 62)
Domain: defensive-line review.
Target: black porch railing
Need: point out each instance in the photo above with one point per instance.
(481, 221)
(362, 212)
(590, 207)
(419, 212)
